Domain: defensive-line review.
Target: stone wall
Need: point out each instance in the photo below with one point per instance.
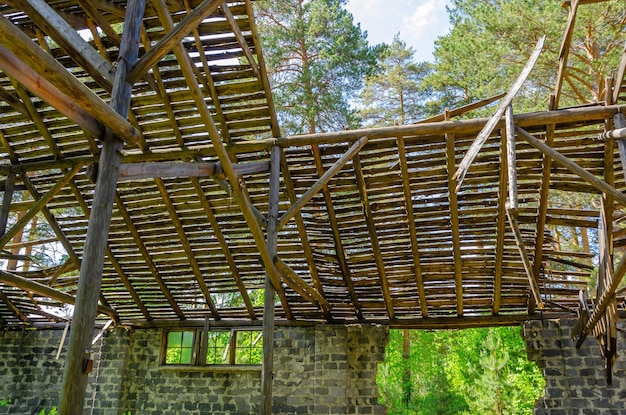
(325, 369)
(575, 379)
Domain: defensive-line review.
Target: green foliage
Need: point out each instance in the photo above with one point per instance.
(478, 371)
(5, 402)
(490, 41)
(52, 411)
(317, 58)
(395, 93)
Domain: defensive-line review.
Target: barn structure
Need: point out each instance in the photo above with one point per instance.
(152, 206)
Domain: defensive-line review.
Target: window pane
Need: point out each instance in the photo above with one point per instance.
(185, 356)
(188, 339)
(174, 338)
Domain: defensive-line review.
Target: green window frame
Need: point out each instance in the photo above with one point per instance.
(218, 347)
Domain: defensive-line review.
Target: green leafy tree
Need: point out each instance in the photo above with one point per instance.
(395, 94)
(490, 41)
(317, 58)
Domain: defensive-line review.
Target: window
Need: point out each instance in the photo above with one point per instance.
(238, 346)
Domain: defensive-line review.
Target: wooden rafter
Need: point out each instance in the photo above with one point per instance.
(501, 224)
(14, 309)
(599, 184)
(621, 74)
(454, 223)
(41, 62)
(408, 202)
(306, 245)
(321, 182)
(38, 206)
(240, 38)
(371, 229)
(497, 115)
(244, 204)
(147, 257)
(208, 210)
(40, 289)
(564, 51)
(65, 35)
(293, 280)
(339, 251)
(46, 91)
(521, 247)
(173, 38)
(191, 256)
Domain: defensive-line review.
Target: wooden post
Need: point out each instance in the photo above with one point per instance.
(270, 294)
(9, 186)
(83, 322)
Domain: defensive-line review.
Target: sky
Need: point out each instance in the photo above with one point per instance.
(419, 22)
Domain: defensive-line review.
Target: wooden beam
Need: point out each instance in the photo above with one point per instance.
(41, 87)
(304, 239)
(408, 202)
(36, 208)
(8, 97)
(445, 116)
(501, 223)
(454, 223)
(191, 256)
(618, 133)
(74, 376)
(321, 182)
(564, 51)
(371, 230)
(604, 301)
(14, 309)
(267, 367)
(495, 118)
(334, 226)
(7, 198)
(186, 66)
(621, 73)
(597, 183)
(46, 291)
(145, 170)
(41, 62)
(519, 241)
(217, 232)
(240, 38)
(132, 228)
(66, 36)
(263, 70)
(511, 157)
(300, 286)
(172, 39)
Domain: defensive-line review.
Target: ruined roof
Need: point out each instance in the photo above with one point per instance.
(370, 226)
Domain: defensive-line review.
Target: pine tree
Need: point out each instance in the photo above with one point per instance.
(317, 58)
(395, 93)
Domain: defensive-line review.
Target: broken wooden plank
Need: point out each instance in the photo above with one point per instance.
(495, 118)
(564, 51)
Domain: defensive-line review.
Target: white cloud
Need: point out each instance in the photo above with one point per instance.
(424, 19)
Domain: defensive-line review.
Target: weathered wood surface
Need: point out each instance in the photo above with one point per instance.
(384, 238)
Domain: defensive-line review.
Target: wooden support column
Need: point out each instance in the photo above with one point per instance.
(511, 157)
(270, 294)
(78, 355)
(7, 198)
